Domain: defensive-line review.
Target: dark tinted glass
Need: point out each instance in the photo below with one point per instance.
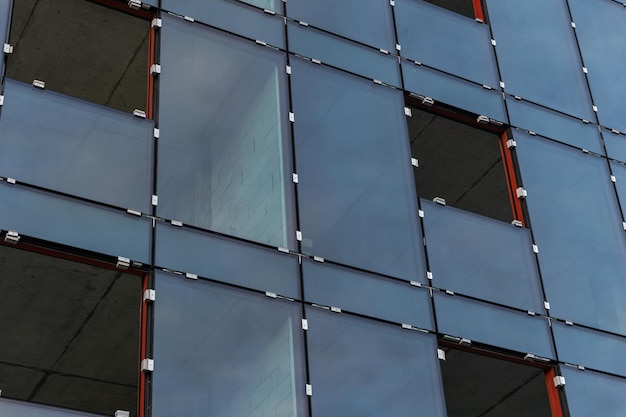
(554, 125)
(225, 352)
(590, 348)
(481, 257)
(363, 368)
(224, 148)
(5, 12)
(453, 91)
(341, 53)
(75, 147)
(233, 17)
(578, 229)
(226, 260)
(367, 21)
(355, 184)
(446, 40)
(481, 322)
(601, 29)
(615, 144)
(537, 54)
(590, 394)
(73, 223)
(363, 293)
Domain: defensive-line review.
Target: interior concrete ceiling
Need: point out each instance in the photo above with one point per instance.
(459, 163)
(81, 49)
(481, 386)
(70, 333)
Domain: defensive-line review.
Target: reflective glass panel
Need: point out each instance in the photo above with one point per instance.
(355, 189)
(226, 260)
(537, 54)
(233, 17)
(446, 40)
(619, 170)
(75, 147)
(12, 408)
(554, 125)
(73, 223)
(223, 150)
(615, 145)
(344, 54)
(366, 21)
(363, 293)
(578, 229)
(363, 368)
(493, 325)
(5, 12)
(481, 257)
(601, 30)
(590, 394)
(453, 91)
(590, 348)
(225, 352)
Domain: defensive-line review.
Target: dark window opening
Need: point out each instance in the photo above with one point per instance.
(469, 8)
(482, 386)
(460, 163)
(81, 49)
(69, 333)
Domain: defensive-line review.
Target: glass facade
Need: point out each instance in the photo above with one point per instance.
(269, 192)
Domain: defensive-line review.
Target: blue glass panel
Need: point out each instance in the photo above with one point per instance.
(226, 260)
(590, 348)
(453, 91)
(357, 203)
(590, 394)
(225, 352)
(341, 53)
(537, 54)
(615, 145)
(74, 223)
(619, 171)
(224, 151)
(233, 17)
(364, 368)
(363, 293)
(12, 408)
(75, 147)
(446, 40)
(5, 11)
(554, 125)
(601, 30)
(481, 257)
(578, 228)
(493, 325)
(366, 21)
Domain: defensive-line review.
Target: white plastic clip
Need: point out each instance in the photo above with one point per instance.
(493, 42)
(284, 250)
(7, 48)
(415, 162)
(189, 275)
(155, 69)
(1, 100)
(122, 413)
(595, 108)
(12, 237)
(133, 212)
(292, 117)
(259, 42)
(156, 133)
(441, 354)
(517, 223)
(318, 259)
(288, 69)
(482, 119)
(294, 178)
(156, 23)
(134, 4)
(149, 295)
(335, 309)
(573, 25)
(39, 84)
(189, 19)
(429, 275)
(139, 113)
(521, 192)
(298, 236)
(270, 294)
(415, 284)
(511, 143)
(559, 381)
(155, 200)
(615, 131)
(439, 200)
(428, 101)
(309, 390)
(613, 179)
(585, 70)
(305, 324)
(122, 263)
(546, 305)
(420, 213)
(408, 112)
(176, 223)
(535, 249)
(502, 85)
(147, 365)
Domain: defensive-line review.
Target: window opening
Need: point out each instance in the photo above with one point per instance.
(465, 165)
(476, 385)
(82, 49)
(70, 332)
(469, 8)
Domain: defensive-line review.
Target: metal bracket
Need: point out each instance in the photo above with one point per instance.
(156, 23)
(595, 108)
(122, 263)
(155, 69)
(156, 133)
(305, 324)
(134, 4)
(122, 413)
(1, 100)
(268, 11)
(439, 200)
(408, 112)
(493, 42)
(149, 295)
(318, 259)
(429, 275)
(189, 275)
(615, 131)
(139, 113)
(294, 178)
(7, 48)
(482, 119)
(309, 390)
(288, 69)
(559, 381)
(573, 25)
(284, 250)
(535, 249)
(415, 162)
(398, 47)
(415, 284)
(335, 309)
(502, 86)
(441, 354)
(511, 143)
(189, 19)
(271, 294)
(12, 237)
(155, 200)
(517, 223)
(298, 236)
(292, 117)
(521, 192)
(39, 84)
(613, 179)
(428, 101)
(147, 365)
(585, 70)
(134, 212)
(176, 223)
(259, 42)
(546, 305)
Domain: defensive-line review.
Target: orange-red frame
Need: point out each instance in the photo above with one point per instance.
(478, 10)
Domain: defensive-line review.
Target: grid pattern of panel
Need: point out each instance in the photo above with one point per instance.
(276, 170)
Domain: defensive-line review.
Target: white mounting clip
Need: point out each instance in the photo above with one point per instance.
(139, 113)
(122, 263)
(147, 365)
(39, 84)
(149, 295)
(439, 200)
(12, 237)
(7, 48)
(134, 4)
(521, 192)
(122, 413)
(559, 381)
(155, 69)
